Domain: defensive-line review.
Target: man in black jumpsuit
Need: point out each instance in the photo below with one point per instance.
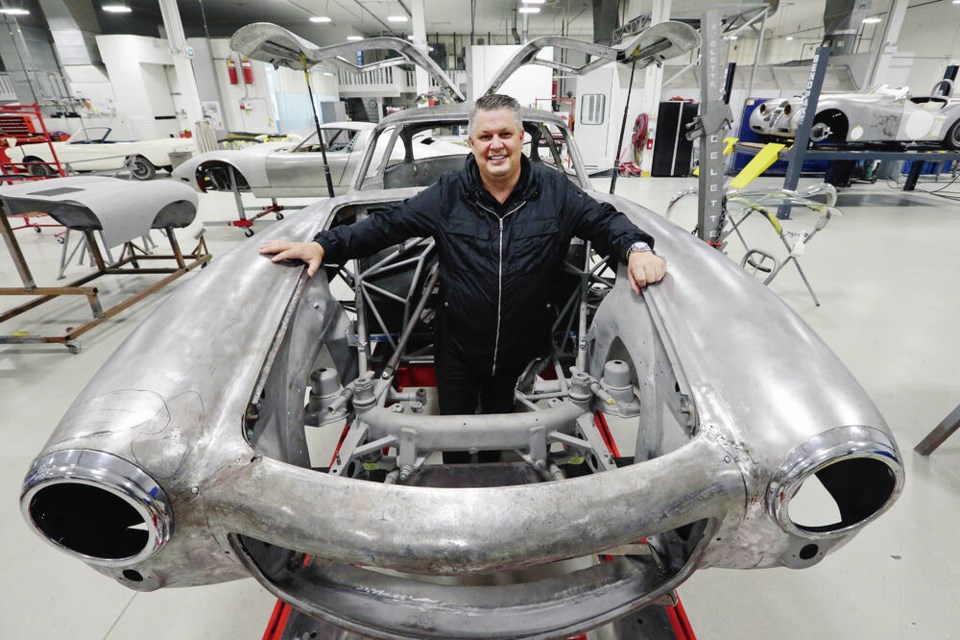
(502, 227)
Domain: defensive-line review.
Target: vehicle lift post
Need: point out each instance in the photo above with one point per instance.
(710, 126)
(812, 95)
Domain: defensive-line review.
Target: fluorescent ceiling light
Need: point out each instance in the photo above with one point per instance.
(732, 37)
(397, 18)
(116, 8)
(323, 19)
(789, 38)
(533, 1)
(328, 74)
(871, 20)
(15, 12)
(529, 10)
(354, 38)
(411, 37)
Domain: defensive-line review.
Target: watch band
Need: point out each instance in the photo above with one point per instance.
(638, 247)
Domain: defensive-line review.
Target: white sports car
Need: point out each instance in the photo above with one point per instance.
(881, 115)
(295, 168)
(92, 149)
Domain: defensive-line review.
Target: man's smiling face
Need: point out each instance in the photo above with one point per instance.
(496, 141)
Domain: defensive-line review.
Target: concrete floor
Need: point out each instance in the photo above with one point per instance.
(886, 274)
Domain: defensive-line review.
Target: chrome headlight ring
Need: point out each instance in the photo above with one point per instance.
(97, 506)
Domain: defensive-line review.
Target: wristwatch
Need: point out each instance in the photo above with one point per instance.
(638, 247)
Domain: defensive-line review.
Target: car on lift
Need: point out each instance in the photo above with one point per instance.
(294, 168)
(883, 115)
(93, 149)
(262, 423)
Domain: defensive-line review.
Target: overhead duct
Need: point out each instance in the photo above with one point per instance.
(605, 20)
(841, 23)
(74, 27)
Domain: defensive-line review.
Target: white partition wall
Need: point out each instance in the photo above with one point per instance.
(134, 66)
(526, 84)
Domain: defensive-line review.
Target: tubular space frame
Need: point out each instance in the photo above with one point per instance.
(590, 274)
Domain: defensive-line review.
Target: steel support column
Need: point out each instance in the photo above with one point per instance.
(182, 63)
(814, 84)
(420, 41)
(710, 210)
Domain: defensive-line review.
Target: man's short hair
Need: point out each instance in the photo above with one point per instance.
(493, 102)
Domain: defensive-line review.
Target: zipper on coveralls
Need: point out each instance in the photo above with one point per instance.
(496, 343)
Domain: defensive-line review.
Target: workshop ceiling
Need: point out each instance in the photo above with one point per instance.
(221, 18)
(363, 17)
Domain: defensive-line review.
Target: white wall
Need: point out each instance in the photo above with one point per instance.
(124, 57)
(526, 84)
(932, 33)
(276, 100)
(257, 114)
(99, 109)
(929, 40)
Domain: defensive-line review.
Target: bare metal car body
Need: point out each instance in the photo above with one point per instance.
(292, 168)
(882, 115)
(195, 468)
(287, 168)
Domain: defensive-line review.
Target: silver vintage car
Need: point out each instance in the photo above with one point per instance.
(667, 433)
(294, 168)
(881, 115)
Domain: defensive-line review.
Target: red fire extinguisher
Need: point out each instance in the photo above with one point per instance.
(247, 67)
(231, 71)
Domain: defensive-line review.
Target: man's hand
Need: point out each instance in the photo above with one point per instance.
(310, 252)
(645, 267)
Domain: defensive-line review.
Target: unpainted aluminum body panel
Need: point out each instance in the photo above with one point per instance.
(287, 170)
(271, 43)
(740, 403)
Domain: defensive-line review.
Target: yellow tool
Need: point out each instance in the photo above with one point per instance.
(760, 163)
(727, 149)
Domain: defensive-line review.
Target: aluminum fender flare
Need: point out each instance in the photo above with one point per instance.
(252, 166)
(191, 351)
(180, 418)
(171, 399)
(761, 379)
(457, 531)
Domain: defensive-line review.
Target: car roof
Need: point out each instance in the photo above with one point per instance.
(454, 113)
(359, 126)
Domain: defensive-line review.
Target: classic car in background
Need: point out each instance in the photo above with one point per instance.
(295, 168)
(882, 115)
(92, 149)
(193, 458)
